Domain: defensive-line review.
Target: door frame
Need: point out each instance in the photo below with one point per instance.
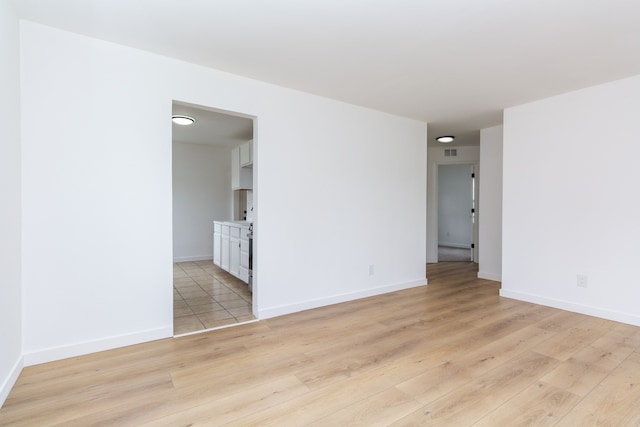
(255, 155)
(432, 223)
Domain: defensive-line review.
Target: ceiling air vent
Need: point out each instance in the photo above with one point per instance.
(450, 152)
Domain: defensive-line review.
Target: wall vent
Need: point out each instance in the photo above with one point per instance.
(450, 152)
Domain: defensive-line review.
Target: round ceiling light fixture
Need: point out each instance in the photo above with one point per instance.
(445, 139)
(182, 120)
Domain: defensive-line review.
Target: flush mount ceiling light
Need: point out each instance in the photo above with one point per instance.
(445, 139)
(182, 120)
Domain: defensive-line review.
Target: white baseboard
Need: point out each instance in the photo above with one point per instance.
(336, 299)
(194, 258)
(11, 379)
(455, 245)
(79, 349)
(489, 276)
(433, 260)
(631, 319)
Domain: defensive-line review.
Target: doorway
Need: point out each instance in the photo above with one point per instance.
(456, 212)
(205, 296)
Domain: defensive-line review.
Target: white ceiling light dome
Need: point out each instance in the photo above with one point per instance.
(182, 120)
(445, 139)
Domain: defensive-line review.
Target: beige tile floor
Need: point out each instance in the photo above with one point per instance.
(205, 296)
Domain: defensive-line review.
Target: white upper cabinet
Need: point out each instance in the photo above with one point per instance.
(246, 154)
(241, 178)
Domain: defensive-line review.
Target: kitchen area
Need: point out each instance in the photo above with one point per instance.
(213, 215)
(233, 240)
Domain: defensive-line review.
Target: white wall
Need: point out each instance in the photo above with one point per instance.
(571, 201)
(10, 257)
(454, 206)
(97, 194)
(201, 194)
(490, 207)
(465, 155)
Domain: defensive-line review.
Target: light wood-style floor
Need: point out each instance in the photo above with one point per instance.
(450, 354)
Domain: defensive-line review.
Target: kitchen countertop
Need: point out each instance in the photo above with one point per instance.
(236, 223)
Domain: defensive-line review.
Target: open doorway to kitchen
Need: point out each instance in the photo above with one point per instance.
(207, 189)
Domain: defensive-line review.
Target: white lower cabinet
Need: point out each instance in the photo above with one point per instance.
(217, 243)
(232, 252)
(244, 256)
(224, 252)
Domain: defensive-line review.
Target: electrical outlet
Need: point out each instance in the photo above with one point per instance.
(582, 281)
(370, 269)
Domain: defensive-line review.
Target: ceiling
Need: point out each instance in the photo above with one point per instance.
(455, 64)
(211, 127)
